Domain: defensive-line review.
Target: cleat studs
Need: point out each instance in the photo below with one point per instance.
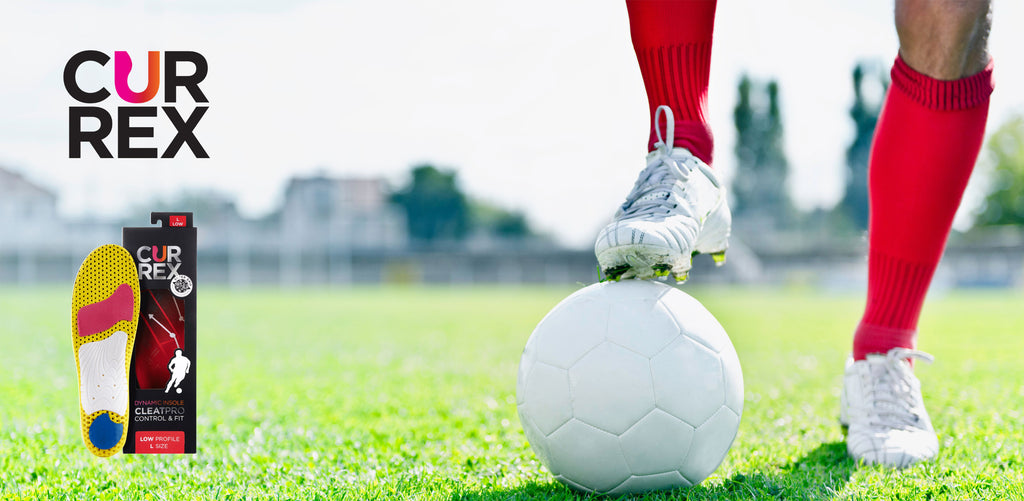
(615, 273)
(719, 258)
(661, 270)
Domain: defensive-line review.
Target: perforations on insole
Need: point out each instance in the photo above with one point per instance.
(102, 357)
(104, 381)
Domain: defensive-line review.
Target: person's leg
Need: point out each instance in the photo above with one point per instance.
(672, 40)
(925, 146)
(926, 142)
(677, 207)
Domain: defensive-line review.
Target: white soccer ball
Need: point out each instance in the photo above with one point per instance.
(630, 386)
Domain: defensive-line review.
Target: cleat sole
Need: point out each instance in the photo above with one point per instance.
(644, 264)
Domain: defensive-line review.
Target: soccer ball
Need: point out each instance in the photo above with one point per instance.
(630, 386)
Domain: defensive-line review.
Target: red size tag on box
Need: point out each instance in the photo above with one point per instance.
(160, 442)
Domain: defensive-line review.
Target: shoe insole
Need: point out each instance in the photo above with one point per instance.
(104, 318)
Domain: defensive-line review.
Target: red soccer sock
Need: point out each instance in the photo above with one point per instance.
(672, 40)
(926, 143)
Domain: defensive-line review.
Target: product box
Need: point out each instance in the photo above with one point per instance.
(162, 377)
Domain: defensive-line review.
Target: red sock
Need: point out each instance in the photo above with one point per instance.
(926, 143)
(672, 40)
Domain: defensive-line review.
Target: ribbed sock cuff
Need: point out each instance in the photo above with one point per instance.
(896, 290)
(942, 95)
(878, 339)
(692, 135)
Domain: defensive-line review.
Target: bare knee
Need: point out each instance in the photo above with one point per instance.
(944, 39)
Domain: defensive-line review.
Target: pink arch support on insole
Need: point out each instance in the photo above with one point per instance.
(100, 316)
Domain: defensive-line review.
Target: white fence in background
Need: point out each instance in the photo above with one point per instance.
(963, 266)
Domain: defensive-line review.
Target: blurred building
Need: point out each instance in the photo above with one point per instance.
(340, 213)
(322, 222)
(28, 212)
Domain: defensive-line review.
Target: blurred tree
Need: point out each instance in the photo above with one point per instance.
(864, 112)
(759, 187)
(499, 222)
(1004, 203)
(435, 207)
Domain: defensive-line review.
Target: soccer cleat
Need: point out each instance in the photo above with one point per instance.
(104, 316)
(677, 209)
(882, 411)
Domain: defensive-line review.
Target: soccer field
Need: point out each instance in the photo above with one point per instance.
(409, 393)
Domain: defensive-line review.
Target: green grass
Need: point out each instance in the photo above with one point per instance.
(409, 393)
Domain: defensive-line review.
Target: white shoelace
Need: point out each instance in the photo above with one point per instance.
(652, 195)
(894, 392)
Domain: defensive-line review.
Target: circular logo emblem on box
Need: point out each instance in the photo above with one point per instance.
(181, 285)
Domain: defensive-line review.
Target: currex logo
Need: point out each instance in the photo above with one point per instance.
(158, 262)
(129, 118)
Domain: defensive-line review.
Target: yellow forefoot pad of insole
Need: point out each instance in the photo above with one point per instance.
(104, 317)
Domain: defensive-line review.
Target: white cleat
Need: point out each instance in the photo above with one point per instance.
(882, 410)
(677, 208)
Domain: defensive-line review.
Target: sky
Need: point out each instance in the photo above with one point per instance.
(538, 104)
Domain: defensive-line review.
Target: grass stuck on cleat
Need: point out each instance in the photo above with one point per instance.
(642, 266)
(104, 318)
(655, 272)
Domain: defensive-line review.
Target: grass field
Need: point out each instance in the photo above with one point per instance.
(409, 393)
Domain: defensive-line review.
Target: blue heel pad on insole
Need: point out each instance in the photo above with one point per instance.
(104, 433)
